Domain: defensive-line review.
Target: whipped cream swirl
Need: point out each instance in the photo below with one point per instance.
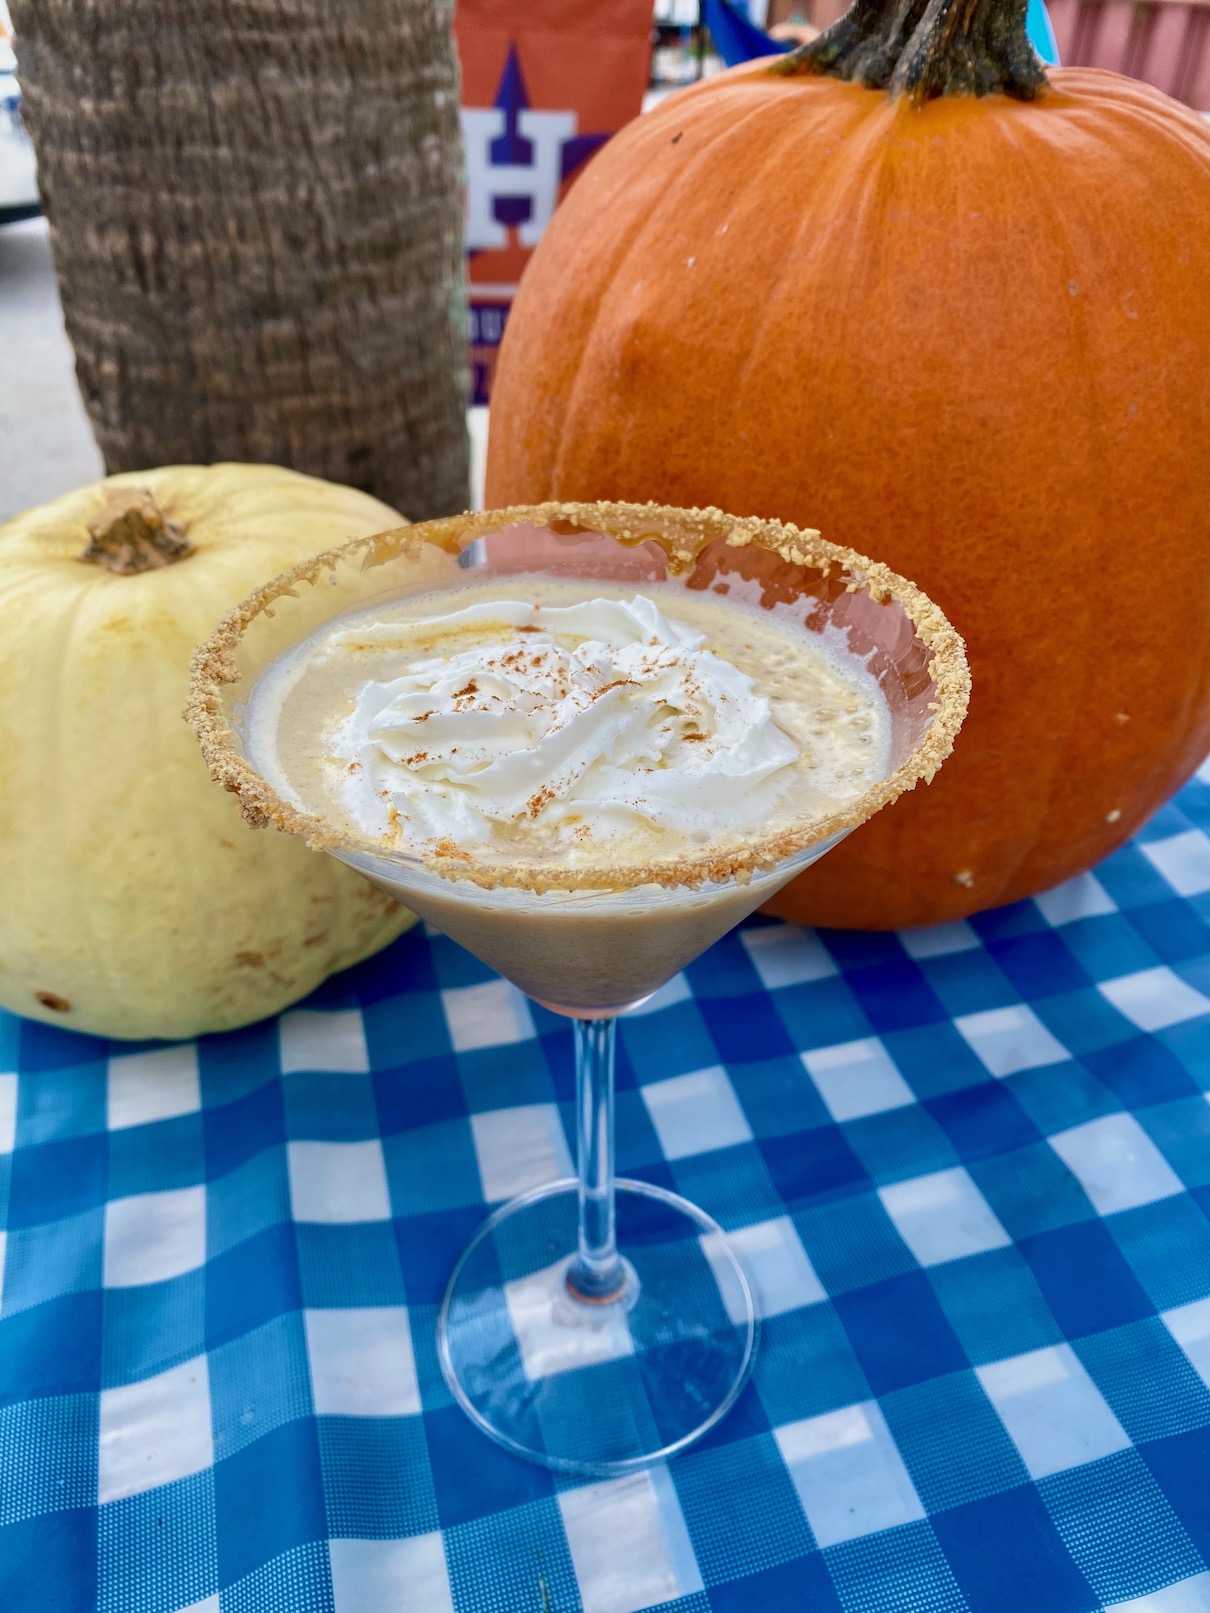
(590, 720)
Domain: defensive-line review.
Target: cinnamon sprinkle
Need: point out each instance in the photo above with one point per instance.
(539, 799)
(618, 683)
(445, 847)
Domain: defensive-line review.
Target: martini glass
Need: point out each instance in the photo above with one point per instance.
(596, 1325)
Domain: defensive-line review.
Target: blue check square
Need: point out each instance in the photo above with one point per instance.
(807, 1366)
(994, 1304)
(852, 1241)
(376, 1477)
(934, 1059)
(349, 1265)
(269, 1494)
(50, 1559)
(1107, 945)
(168, 1538)
(1005, 1553)
(1084, 1279)
(896, 995)
(983, 1121)
(1037, 965)
(1174, 930)
(953, 1445)
(899, 1332)
(1167, 1246)
(813, 1165)
(1102, 1509)
(725, 1546)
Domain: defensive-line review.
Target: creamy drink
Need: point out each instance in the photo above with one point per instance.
(583, 757)
(539, 726)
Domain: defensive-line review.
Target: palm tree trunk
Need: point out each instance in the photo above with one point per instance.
(256, 214)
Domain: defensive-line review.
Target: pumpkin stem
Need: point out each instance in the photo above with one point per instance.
(132, 534)
(927, 48)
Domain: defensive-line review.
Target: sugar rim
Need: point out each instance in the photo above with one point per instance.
(213, 668)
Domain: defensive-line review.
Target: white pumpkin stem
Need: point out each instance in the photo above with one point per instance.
(132, 534)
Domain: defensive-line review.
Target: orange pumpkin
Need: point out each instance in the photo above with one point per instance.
(970, 336)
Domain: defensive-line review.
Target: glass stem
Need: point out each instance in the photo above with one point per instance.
(596, 1273)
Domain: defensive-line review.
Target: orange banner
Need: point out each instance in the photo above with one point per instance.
(544, 85)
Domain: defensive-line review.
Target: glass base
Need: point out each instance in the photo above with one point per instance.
(597, 1387)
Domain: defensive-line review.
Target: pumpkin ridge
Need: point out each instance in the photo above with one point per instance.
(832, 178)
(1078, 96)
(1141, 114)
(666, 201)
(1046, 787)
(1083, 90)
(775, 158)
(615, 287)
(70, 640)
(1097, 451)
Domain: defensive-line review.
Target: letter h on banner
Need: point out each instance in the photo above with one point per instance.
(489, 183)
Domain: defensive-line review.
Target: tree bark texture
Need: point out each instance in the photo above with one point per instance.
(256, 214)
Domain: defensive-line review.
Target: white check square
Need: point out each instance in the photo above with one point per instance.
(857, 1079)
(1183, 860)
(777, 1265)
(1081, 898)
(629, 1544)
(157, 1085)
(8, 1110)
(940, 940)
(1154, 999)
(155, 1431)
(583, 1336)
(1008, 1040)
(1186, 1596)
(1053, 1412)
(338, 1182)
(1190, 1327)
(695, 1113)
(849, 1474)
(391, 1576)
(786, 955)
(1116, 1163)
(519, 1148)
(362, 1363)
(943, 1216)
(151, 1237)
(309, 1039)
(493, 1014)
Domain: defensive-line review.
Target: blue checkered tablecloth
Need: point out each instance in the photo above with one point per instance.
(969, 1169)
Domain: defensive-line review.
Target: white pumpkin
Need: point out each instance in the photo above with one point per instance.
(134, 900)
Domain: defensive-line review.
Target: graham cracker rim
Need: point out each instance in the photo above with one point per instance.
(213, 670)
